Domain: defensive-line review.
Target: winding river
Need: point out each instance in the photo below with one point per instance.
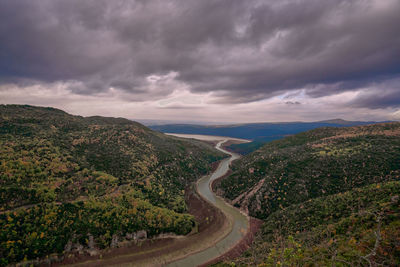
(236, 227)
(239, 222)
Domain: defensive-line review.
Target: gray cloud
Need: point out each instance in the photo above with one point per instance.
(384, 95)
(292, 103)
(243, 51)
(179, 107)
(378, 100)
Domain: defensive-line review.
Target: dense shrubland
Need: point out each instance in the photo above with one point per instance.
(327, 196)
(63, 177)
(314, 164)
(47, 228)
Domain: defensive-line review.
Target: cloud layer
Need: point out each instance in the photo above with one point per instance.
(231, 52)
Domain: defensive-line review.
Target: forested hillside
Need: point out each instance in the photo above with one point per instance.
(327, 196)
(94, 181)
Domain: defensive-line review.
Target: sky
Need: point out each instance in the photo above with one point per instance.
(209, 60)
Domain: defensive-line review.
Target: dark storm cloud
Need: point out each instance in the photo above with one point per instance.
(386, 95)
(242, 50)
(379, 100)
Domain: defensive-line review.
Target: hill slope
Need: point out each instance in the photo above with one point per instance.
(323, 193)
(67, 179)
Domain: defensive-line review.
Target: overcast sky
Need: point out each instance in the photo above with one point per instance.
(211, 60)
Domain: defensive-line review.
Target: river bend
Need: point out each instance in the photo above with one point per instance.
(238, 221)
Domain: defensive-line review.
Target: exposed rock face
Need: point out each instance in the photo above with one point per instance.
(77, 248)
(130, 236)
(91, 243)
(243, 199)
(139, 235)
(166, 235)
(114, 241)
(93, 252)
(68, 246)
(74, 248)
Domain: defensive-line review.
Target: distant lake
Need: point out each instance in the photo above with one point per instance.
(208, 137)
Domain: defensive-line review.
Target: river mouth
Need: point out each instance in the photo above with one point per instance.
(239, 222)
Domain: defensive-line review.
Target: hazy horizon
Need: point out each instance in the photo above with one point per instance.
(209, 123)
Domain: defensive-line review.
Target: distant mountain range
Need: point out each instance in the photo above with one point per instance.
(148, 122)
(259, 133)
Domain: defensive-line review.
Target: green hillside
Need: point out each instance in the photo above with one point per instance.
(327, 196)
(66, 178)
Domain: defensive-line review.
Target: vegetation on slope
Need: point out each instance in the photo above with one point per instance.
(313, 164)
(247, 148)
(356, 228)
(64, 178)
(327, 196)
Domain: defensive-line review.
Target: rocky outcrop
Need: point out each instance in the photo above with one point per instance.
(137, 236)
(243, 199)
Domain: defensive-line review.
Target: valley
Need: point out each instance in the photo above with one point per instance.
(72, 185)
(103, 191)
(222, 229)
(187, 133)
(88, 191)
